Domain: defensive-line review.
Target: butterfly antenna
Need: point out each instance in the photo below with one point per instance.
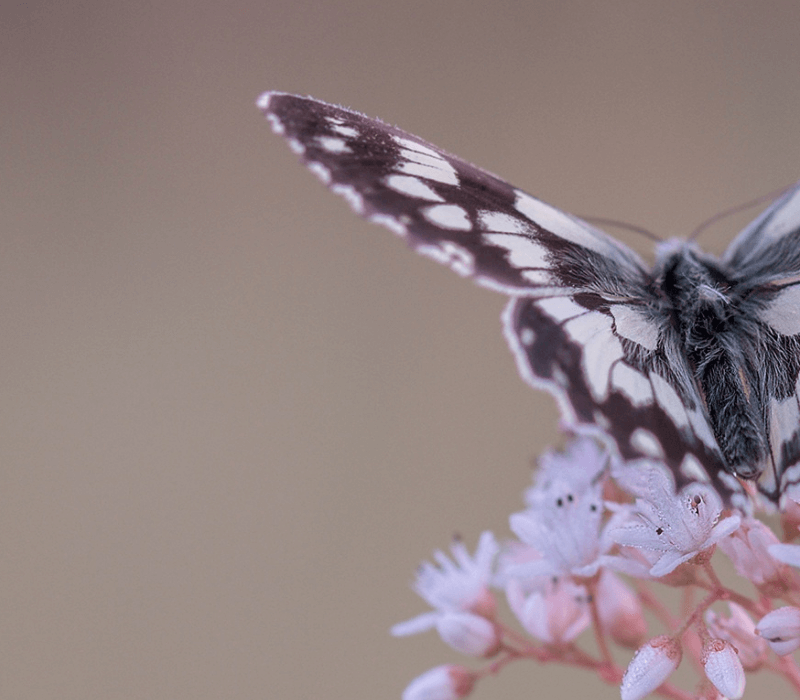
(739, 207)
(600, 221)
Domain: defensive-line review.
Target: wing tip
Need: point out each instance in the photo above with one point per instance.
(263, 100)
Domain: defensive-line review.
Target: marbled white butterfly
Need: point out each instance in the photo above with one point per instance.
(694, 362)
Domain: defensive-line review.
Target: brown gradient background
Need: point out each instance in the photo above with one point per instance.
(235, 417)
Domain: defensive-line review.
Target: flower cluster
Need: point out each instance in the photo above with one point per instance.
(589, 551)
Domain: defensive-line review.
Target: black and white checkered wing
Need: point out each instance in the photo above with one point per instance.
(449, 210)
(583, 322)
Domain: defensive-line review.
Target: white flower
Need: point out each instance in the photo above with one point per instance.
(675, 527)
(579, 466)
(723, 668)
(650, 667)
(441, 683)
(457, 587)
(513, 555)
(556, 615)
(781, 629)
(565, 530)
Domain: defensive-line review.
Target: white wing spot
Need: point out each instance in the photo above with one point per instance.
(263, 100)
(527, 336)
(784, 422)
(429, 172)
(632, 384)
(390, 222)
(276, 124)
(347, 131)
(522, 251)
(783, 312)
(560, 308)
(601, 349)
(785, 219)
(296, 146)
(354, 199)
(502, 223)
(559, 377)
(645, 442)
(412, 187)
(332, 144)
(602, 421)
(564, 226)
(449, 216)
(434, 160)
(632, 324)
(702, 429)
(693, 470)
(541, 278)
(414, 146)
(320, 171)
(669, 400)
(454, 256)
(432, 163)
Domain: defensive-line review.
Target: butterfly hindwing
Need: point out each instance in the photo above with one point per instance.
(610, 386)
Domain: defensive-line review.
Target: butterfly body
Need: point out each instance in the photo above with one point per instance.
(712, 322)
(693, 363)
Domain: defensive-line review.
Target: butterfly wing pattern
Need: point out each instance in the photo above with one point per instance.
(586, 320)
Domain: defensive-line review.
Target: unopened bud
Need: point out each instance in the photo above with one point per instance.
(723, 668)
(468, 633)
(441, 683)
(781, 629)
(620, 611)
(650, 667)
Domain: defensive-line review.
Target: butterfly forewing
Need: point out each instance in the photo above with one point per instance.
(449, 210)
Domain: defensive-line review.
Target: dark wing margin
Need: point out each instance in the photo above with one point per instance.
(450, 210)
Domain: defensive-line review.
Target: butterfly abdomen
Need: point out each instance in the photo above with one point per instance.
(712, 328)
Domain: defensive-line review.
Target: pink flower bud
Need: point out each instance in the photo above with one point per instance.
(723, 668)
(650, 667)
(781, 629)
(468, 633)
(441, 683)
(620, 611)
(749, 548)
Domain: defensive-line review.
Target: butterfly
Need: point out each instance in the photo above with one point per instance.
(693, 362)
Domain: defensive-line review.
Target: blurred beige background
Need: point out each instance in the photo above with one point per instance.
(235, 417)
